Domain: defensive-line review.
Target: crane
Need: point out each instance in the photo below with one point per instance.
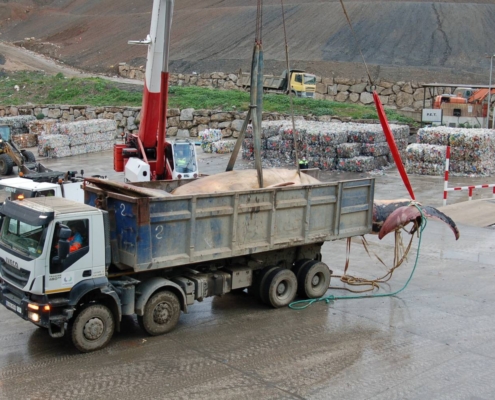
(147, 155)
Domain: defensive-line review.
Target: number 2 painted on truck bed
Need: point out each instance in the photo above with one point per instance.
(122, 207)
(159, 230)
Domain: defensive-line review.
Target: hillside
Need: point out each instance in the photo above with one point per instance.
(401, 40)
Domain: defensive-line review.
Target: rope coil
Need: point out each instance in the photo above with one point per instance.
(303, 304)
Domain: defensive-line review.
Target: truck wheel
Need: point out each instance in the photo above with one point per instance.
(299, 265)
(279, 288)
(259, 280)
(161, 313)
(93, 328)
(313, 280)
(6, 164)
(28, 156)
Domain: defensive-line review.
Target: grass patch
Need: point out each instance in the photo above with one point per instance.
(37, 88)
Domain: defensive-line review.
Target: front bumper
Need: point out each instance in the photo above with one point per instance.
(11, 300)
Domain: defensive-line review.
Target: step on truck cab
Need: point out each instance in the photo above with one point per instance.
(76, 269)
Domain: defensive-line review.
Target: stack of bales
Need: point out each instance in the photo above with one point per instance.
(327, 145)
(211, 142)
(74, 138)
(20, 130)
(471, 151)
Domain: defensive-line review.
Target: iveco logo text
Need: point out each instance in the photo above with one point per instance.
(12, 262)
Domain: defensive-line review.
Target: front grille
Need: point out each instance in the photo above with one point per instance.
(18, 276)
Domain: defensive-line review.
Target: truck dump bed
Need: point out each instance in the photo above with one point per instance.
(164, 232)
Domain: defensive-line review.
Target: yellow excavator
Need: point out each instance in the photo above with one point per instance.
(11, 155)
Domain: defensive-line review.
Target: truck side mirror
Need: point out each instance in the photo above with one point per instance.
(63, 242)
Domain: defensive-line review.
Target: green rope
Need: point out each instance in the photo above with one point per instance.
(303, 304)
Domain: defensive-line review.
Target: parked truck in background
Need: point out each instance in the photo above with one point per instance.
(155, 256)
(302, 84)
(69, 188)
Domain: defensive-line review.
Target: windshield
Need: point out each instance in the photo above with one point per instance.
(5, 133)
(13, 193)
(184, 157)
(24, 238)
(310, 79)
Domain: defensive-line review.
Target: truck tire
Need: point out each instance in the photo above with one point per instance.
(299, 265)
(161, 313)
(279, 288)
(93, 328)
(6, 164)
(258, 282)
(313, 280)
(28, 156)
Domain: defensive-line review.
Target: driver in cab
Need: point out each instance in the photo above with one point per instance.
(75, 240)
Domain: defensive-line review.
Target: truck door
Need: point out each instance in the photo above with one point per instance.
(297, 83)
(63, 275)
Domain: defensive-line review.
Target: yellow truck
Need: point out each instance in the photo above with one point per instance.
(302, 84)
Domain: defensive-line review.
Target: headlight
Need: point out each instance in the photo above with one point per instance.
(33, 316)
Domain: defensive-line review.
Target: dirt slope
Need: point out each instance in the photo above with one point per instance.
(422, 40)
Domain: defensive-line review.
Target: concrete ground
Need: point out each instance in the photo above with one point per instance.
(433, 340)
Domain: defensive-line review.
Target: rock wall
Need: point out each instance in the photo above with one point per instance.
(183, 123)
(404, 96)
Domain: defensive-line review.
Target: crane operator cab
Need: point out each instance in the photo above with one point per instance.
(185, 162)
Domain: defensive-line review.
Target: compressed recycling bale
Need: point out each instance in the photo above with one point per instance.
(223, 146)
(484, 168)
(44, 127)
(287, 157)
(25, 140)
(99, 125)
(247, 154)
(273, 143)
(457, 166)
(247, 144)
(471, 138)
(333, 139)
(422, 168)
(312, 138)
(415, 152)
(434, 154)
(59, 152)
(348, 150)
(329, 152)
(271, 154)
(433, 135)
(286, 146)
(312, 151)
(268, 131)
(207, 147)
(19, 124)
(381, 161)
(328, 163)
(51, 142)
(210, 136)
(356, 164)
(375, 149)
(314, 162)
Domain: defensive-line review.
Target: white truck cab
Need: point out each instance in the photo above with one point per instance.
(27, 188)
(30, 261)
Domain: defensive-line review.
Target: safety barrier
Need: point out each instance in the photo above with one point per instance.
(470, 189)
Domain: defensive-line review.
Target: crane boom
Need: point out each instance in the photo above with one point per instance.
(149, 148)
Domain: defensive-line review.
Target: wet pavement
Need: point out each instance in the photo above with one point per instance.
(433, 340)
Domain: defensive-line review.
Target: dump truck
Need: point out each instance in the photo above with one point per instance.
(302, 84)
(153, 255)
